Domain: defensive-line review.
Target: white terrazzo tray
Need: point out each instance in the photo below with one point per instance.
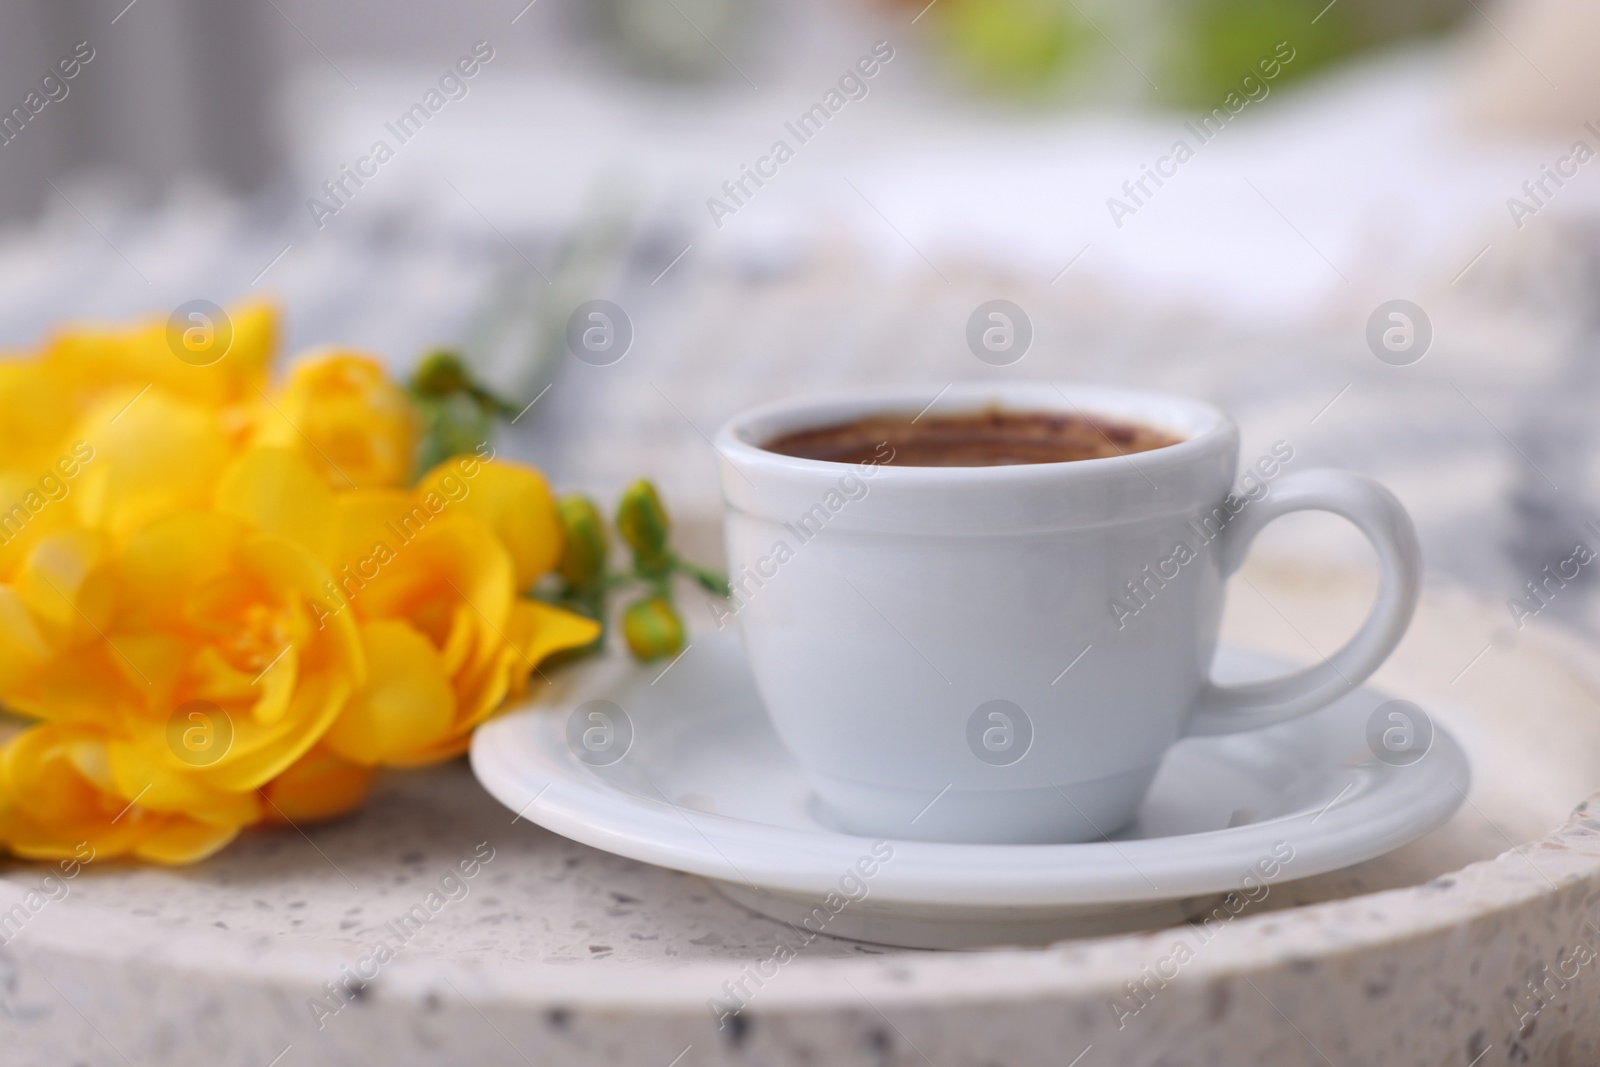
(554, 953)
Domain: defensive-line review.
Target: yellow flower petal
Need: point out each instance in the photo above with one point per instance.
(36, 410)
(203, 609)
(365, 516)
(59, 800)
(277, 491)
(85, 688)
(153, 454)
(407, 703)
(275, 687)
(22, 647)
(448, 560)
(350, 421)
(460, 641)
(164, 786)
(57, 583)
(93, 359)
(262, 751)
(320, 786)
(211, 677)
(453, 561)
(541, 630)
(150, 661)
(168, 562)
(255, 344)
(28, 515)
(181, 841)
(535, 631)
(513, 501)
(483, 689)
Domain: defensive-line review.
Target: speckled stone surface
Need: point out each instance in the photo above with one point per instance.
(553, 953)
(537, 898)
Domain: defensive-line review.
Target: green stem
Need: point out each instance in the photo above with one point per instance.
(711, 581)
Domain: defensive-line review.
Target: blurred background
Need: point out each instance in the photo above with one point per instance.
(1337, 156)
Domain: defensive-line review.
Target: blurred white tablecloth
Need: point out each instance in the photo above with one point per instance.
(1248, 280)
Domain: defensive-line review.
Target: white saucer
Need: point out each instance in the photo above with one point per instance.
(705, 787)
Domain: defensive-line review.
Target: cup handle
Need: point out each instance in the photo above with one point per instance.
(1227, 709)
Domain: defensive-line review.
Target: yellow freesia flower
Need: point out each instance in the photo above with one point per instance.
(197, 610)
(37, 409)
(142, 354)
(354, 425)
(63, 787)
(513, 501)
(320, 785)
(193, 649)
(434, 578)
(108, 428)
(148, 456)
(95, 361)
(219, 601)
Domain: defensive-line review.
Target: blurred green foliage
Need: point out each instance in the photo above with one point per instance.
(1012, 45)
(585, 582)
(652, 629)
(1182, 53)
(1224, 40)
(458, 414)
(643, 524)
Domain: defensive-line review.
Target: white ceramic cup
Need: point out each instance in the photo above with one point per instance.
(1003, 654)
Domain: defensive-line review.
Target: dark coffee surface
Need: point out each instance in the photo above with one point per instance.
(988, 438)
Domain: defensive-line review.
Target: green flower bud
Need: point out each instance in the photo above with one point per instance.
(439, 374)
(643, 523)
(585, 546)
(652, 628)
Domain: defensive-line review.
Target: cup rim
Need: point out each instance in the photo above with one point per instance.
(1204, 425)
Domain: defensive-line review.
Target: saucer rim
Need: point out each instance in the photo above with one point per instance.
(1396, 806)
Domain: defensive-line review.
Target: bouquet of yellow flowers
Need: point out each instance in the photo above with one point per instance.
(224, 600)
